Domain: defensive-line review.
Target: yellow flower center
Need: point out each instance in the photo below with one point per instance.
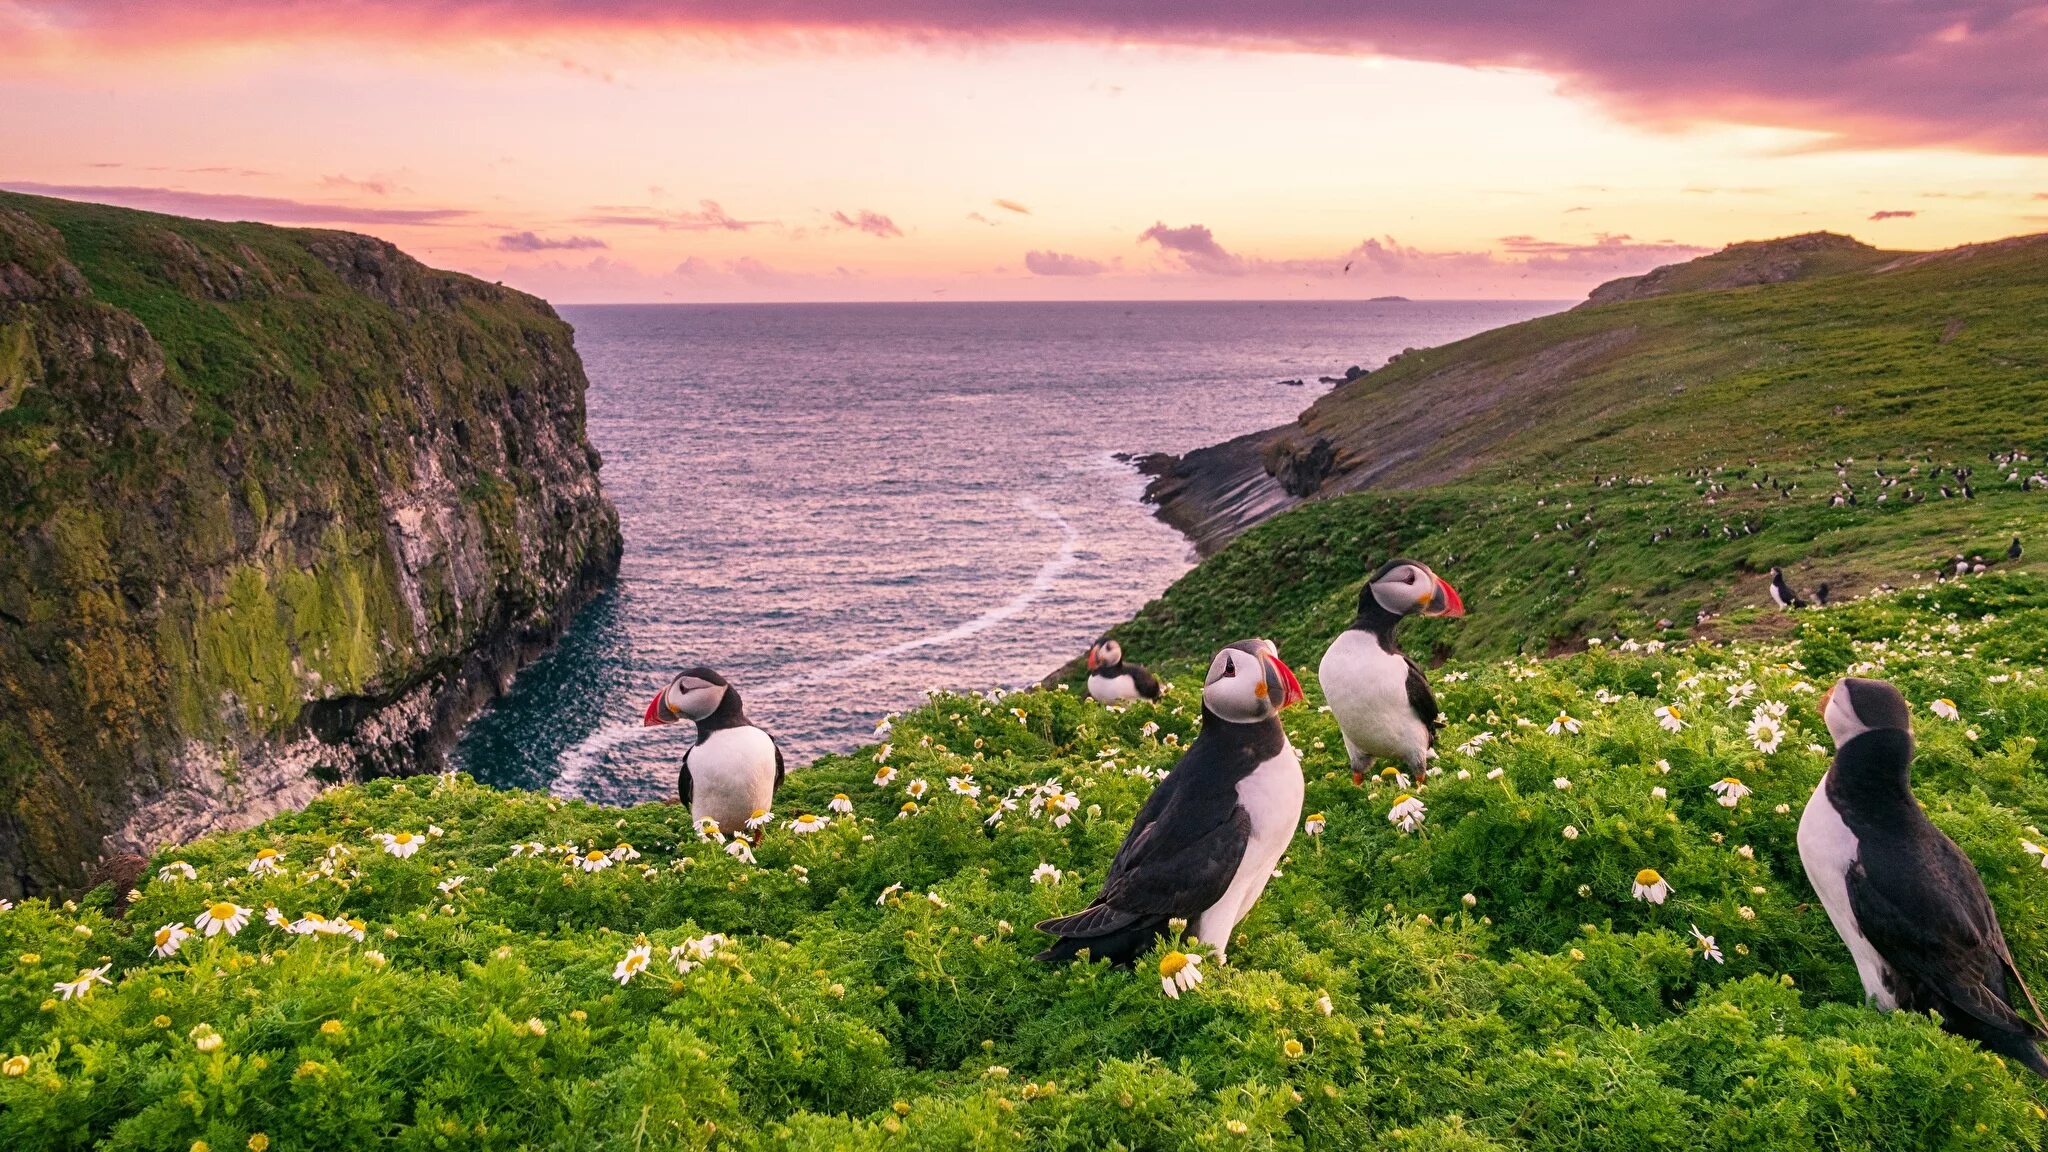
(1315, 815)
(593, 854)
(1403, 798)
(402, 838)
(839, 795)
(1731, 781)
(760, 812)
(267, 854)
(910, 806)
(711, 826)
(163, 937)
(221, 911)
(1649, 877)
(1171, 964)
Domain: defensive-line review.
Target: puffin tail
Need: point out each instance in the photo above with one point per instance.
(1103, 932)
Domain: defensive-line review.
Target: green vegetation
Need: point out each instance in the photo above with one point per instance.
(1486, 981)
(247, 469)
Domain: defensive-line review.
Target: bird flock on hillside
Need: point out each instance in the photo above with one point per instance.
(1906, 901)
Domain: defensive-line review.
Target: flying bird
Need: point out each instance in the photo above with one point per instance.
(1208, 838)
(1111, 681)
(1378, 694)
(1902, 896)
(732, 771)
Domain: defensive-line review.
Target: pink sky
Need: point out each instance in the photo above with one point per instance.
(935, 149)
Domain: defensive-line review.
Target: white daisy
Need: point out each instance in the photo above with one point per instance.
(592, 861)
(1571, 832)
(222, 916)
(908, 810)
(740, 851)
(1563, 723)
(708, 833)
(761, 818)
(634, 963)
(1562, 784)
(1496, 773)
(2036, 850)
(1179, 972)
(624, 852)
(401, 844)
(917, 788)
(1658, 792)
(1045, 874)
(1765, 734)
(1651, 886)
(841, 804)
(1945, 708)
(450, 884)
(177, 870)
(1729, 791)
(87, 977)
(891, 890)
(1407, 813)
(1708, 949)
(1669, 719)
(1004, 807)
(266, 863)
(884, 777)
(805, 824)
(963, 786)
(935, 900)
(170, 938)
(1313, 824)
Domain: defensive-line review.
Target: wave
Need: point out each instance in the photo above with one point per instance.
(579, 762)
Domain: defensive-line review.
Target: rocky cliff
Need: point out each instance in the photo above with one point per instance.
(281, 508)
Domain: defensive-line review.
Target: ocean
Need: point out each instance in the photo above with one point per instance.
(842, 506)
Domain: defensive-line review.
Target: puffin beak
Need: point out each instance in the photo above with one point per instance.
(1445, 601)
(1291, 688)
(654, 717)
(1092, 659)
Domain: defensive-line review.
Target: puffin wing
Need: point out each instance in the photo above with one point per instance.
(1174, 866)
(683, 777)
(777, 745)
(1144, 681)
(1422, 699)
(1935, 924)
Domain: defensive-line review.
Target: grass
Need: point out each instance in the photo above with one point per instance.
(1486, 981)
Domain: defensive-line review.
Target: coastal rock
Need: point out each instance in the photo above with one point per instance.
(1300, 467)
(284, 508)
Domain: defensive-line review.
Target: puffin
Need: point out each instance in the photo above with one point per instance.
(1378, 694)
(1781, 593)
(1207, 839)
(2013, 551)
(734, 768)
(1902, 896)
(1111, 681)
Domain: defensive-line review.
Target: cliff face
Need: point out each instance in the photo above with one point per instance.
(281, 508)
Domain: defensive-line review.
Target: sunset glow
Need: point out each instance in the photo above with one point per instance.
(623, 152)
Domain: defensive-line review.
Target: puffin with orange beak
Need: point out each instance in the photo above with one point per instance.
(1208, 838)
(731, 773)
(1111, 681)
(1378, 694)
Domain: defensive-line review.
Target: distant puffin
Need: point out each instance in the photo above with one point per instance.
(1902, 896)
(2013, 551)
(1379, 695)
(1112, 681)
(734, 768)
(1208, 838)
(1821, 594)
(1781, 592)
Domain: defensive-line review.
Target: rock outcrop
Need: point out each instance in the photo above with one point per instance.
(283, 508)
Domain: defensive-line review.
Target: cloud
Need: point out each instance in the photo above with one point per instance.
(1196, 248)
(1944, 73)
(978, 218)
(530, 242)
(375, 187)
(1013, 206)
(1893, 214)
(873, 223)
(223, 206)
(1061, 264)
(709, 217)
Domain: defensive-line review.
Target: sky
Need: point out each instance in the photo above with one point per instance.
(635, 150)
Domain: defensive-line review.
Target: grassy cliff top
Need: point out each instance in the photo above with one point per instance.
(1486, 981)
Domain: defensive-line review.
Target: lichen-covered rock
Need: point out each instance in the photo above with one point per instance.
(281, 507)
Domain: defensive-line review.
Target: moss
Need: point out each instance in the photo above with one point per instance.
(17, 361)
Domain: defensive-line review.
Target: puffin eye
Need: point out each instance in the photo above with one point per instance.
(1229, 667)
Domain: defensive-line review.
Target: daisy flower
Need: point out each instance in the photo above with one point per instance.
(761, 818)
(1571, 832)
(1764, 734)
(276, 919)
(1045, 874)
(884, 777)
(1022, 716)
(1945, 708)
(805, 824)
(708, 833)
(592, 861)
(177, 870)
(1313, 825)
(891, 890)
(1407, 813)
(634, 963)
(309, 924)
(841, 804)
(935, 900)
(624, 852)
(1004, 807)
(882, 756)
(1668, 718)
(1562, 783)
(1729, 791)
(1179, 972)
(1708, 949)
(1323, 1004)
(266, 863)
(1399, 778)
(1150, 730)
(740, 851)
(87, 977)
(2034, 849)
(1658, 792)
(917, 788)
(963, 786)
(170, 938)
(908, 810)
(224, 916)
(1563, 723)
(450, 884)
(400, 844)
(1496, 773)
(1651, 886)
